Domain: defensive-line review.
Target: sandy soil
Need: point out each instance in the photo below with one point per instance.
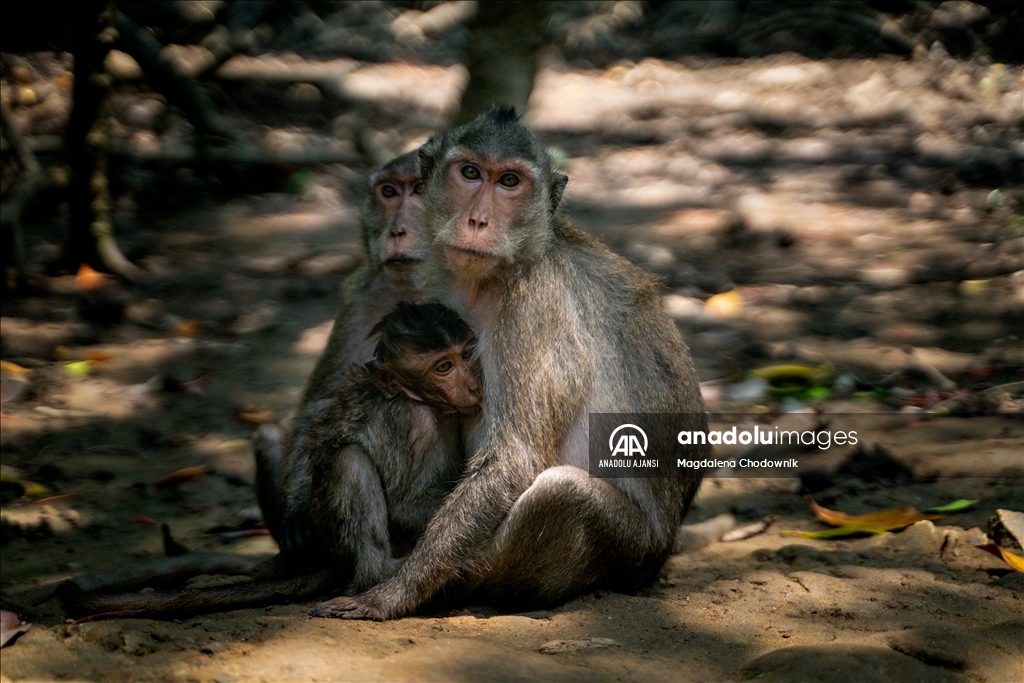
(846, 202)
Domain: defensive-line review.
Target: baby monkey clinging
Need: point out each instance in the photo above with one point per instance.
(389, 449)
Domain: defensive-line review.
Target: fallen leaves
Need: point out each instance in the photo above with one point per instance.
(29, 489)
(87, 279)
(254, 416)
(725, 305)
(181, 476)
(857, 525)
(11, 626)
(186, 328)
(1015, 561)
(956, 506)
(14, 369)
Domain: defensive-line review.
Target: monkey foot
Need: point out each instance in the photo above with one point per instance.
(349, 608)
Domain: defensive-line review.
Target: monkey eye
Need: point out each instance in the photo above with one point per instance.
(509, 180)
(389, 191)
(418, 188)
(470, 172)
(467, 352)
(444, 367)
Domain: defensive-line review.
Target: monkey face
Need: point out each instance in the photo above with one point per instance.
(486, 199)
(491, 194)
(393, 218)
(400, 242)
(448, 381)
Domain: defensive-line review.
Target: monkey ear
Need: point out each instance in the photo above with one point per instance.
(558, 182)
(428, 156)
(383, 379)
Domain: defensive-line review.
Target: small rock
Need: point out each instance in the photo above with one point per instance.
(255, 319)
(304, 93)
(752, 390)
(885, 277)
(683, 307)
(555, 647)
(223, 678)
(921, 203)
(1007, 528)
(122, 65)
(920, 536)
(212, 648)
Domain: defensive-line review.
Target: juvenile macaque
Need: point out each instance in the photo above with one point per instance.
(388, 449)
(382, 457)
(566, 328)
(392, 238)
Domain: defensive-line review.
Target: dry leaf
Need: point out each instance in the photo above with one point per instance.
(749, 530)
(14, 369)
(78, 368)
(98, 356)
(10, 626)
(144, 520)
(181, 476)
(29, 489)
(887, 520)
(186, 328)
(1015, 561)
(255, 417)
(838, 532)
(87, 279)
(725, 305)
(61, 499)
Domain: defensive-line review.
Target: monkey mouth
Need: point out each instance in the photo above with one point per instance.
(402, 261)
(463, 251)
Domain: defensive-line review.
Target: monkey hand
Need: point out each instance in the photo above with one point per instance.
(362, 606)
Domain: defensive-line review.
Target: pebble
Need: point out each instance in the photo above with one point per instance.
(122, 65)
(683, 307)
(555, 647)
(921, 203)
(885, 276)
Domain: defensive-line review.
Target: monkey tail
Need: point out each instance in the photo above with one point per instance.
(190, 602)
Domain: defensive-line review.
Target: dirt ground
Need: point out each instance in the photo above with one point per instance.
(854, 208)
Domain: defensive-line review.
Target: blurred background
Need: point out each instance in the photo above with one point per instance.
(832, 194)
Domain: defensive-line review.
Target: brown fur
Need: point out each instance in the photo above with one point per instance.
(393, 240)
(566, 328)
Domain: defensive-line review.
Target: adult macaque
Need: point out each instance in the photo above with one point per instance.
(566, 328)
(387, 451)
(393, 240)
(382, 457)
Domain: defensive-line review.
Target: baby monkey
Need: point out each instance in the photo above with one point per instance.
(389, 448)
(383, 456)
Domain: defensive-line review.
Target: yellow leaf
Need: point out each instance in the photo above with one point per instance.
(181, 476)
(725, 305)
(1015, 561)
(255, 417)
(33, 490)
(88, 279)
(186, 328)
(838, 532)
(811, 375)
(14, 369)
(78, 368)
(887, 520)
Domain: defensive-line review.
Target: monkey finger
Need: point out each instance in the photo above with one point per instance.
(348, 608)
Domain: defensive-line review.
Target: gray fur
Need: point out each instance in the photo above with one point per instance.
(566, 328)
